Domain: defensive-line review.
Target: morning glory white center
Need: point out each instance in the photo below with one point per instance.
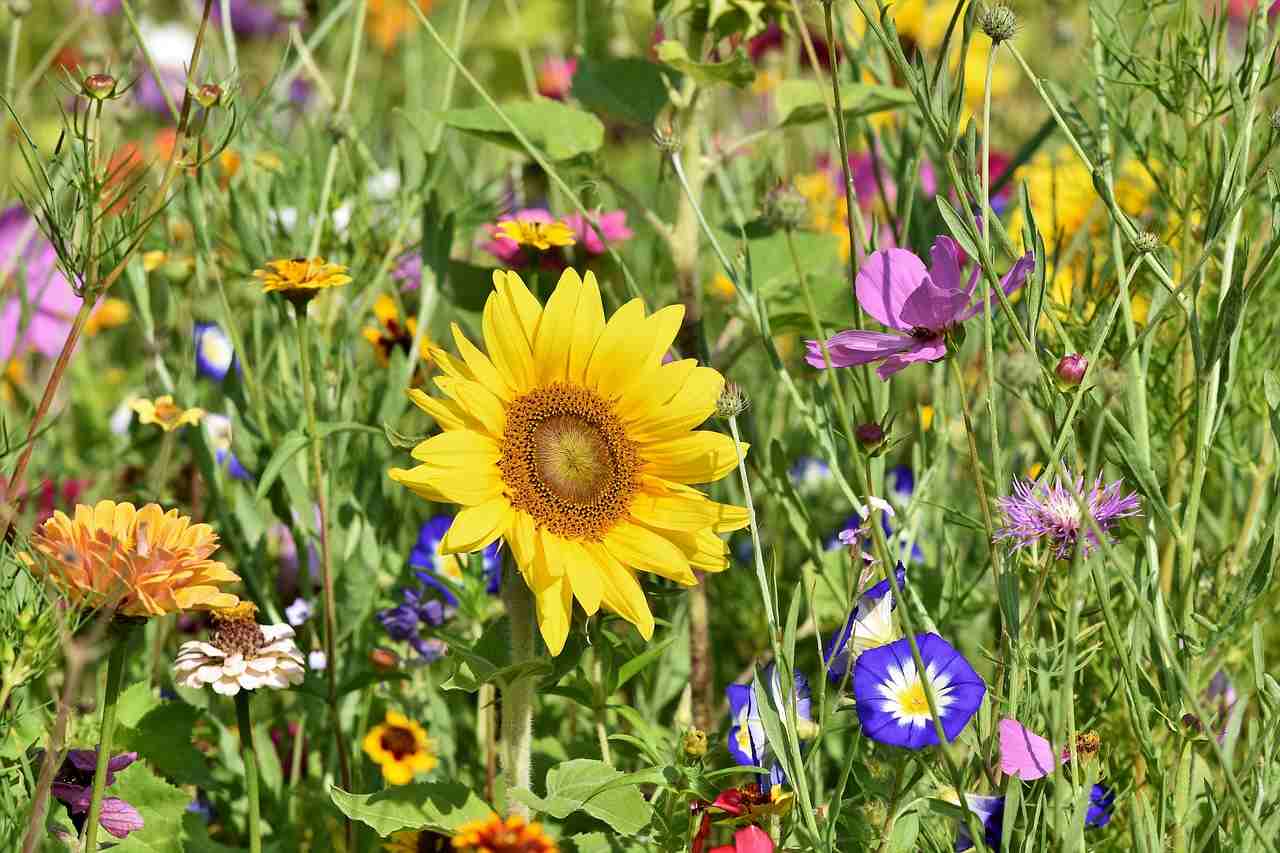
(902, 694)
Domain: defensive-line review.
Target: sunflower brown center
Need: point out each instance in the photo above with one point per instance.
(567, 461)
(399, 742)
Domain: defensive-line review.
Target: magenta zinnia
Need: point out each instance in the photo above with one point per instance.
(1038, 512)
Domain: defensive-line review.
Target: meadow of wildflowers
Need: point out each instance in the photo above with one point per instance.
(522, 426)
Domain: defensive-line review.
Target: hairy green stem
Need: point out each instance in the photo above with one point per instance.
(115, 674)
(250, 755)
(517, 694)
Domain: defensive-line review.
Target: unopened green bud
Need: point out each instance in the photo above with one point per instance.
(786, 208)
(694, 743)
(666, 140)
(999, 23)
(733, 401)
(1146, 242)
(208, 96)
(806, 729)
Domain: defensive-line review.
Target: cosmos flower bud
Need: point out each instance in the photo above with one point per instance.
(384, 659)
(694, 743)
(209, 95)
(786, 208)
(999, 23)
(1071, 368)
(99, 86)
(869, 435)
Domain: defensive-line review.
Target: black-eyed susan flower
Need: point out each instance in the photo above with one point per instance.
(392, 332)
(140, 562)
(165, 413)
(401, 748)
(574, 442)
(495, 835)
(417, 841)
(299, 279)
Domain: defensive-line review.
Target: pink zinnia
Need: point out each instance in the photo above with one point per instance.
(43, 320)
(918, 305)
(1051, 514)
(613, 229)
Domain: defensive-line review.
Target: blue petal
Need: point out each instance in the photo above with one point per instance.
(836, 654)
(214, 353)
(1101, 800)
(902, 482)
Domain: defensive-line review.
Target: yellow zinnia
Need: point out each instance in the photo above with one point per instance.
(573, 441)
(140, 562)
(401, 748)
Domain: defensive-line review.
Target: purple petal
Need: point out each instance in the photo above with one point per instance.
(121, 761)
(119, 818)
(1010, 284)
(932, 307)
(75, 796)
(856, 346)
(930, 350)
(944, 263)
(885, 281)
(84, 760)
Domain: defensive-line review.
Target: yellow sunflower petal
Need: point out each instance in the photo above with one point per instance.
(554, 601)
(590, 325)
(397, 773)
(482, 369)
(478, 401)
(652, 390)
(690, 406)
(559, 330)
(699, 457)
(663, 325)
(507, 341)
(477, 527)
(619, 353)
(523, 303)
(687, 512)
(443, 485)
(706, 551)
(445, 413)
(458, 448)
(638, 547)
(622, 593)
(581, 572)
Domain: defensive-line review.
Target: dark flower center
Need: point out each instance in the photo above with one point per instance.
(399, 742)
(238, 636)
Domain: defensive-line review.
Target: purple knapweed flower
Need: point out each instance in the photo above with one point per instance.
(1040, 512)
(73, 787)
(919, 305)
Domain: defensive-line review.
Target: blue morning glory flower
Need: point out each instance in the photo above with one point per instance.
(809, 473)
(1101, 800)
(890, 695)
(218, 429)
(868, 626)
(902, 483)
(990, 812)
(748, 744)
(214, 353)
(427, 555)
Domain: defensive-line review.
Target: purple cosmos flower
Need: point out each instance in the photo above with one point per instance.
(408, 271)
(73, 787)
(919, 305)
(748, 744)
(214, 353)
(613, 229)
(891, 701)
(40, 320)
(990, 813)
(1101, 801)
(869, 625)
(1036, 512)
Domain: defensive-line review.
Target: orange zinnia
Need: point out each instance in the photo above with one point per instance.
(143, 562)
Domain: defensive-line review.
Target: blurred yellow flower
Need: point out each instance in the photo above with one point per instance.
(495, 835)
(721, 287)
(138, 562)
(392, 332)
(539, 235)
(298, 279)
(164, 413)
(109, 314)
(389, 20)
(926, 418)
(401, 748)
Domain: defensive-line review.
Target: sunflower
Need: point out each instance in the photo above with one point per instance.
(401, 748)
(299, 279)
(495, 835)
(575, 443)
(141, 562)
(165, 413)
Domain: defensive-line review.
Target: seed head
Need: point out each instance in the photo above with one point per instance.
(1071, 368)
(869, 434)
(733, 401)
(786, 208)
(999, 23)
(1146, 242)
(665, 138)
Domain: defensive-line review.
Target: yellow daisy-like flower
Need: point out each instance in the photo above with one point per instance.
(109, 314)
(495, 835)
(417, 841)
(721, 287)
(401, 748)
(389, 20)
(539, 235)
(140, 562)
(573, 442)
(299, 279)
(166, 414)
(392, 332)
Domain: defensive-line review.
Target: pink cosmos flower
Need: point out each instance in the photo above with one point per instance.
(918, 305)
(555, 76)
(613, 229)
(42, 320)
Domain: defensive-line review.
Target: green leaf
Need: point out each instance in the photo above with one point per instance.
(737, 71)
(163, 737)
(134, 703)
(957, 226)
(638, 663)
(289, 444)
(804, 101)
(585, 784)
(161, 805)
(438, 806)
(561, 131)
(631, 89)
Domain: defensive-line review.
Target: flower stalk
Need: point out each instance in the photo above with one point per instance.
(249, 753)
(115, 674)
(517, 694)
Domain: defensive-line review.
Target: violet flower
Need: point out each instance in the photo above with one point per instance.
(1040, 512)
(919, 305)
(251, 18)
(73, 787)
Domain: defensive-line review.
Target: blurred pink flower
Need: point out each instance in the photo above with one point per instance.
(101, 7)
(613, 229)
(555, 76)
(41, 319)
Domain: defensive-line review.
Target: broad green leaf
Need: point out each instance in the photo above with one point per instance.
(438, 806)
(629, 89)
(584, 784)
(804, 101)
(641, 661)
(161, 805)
(163, 737)
(286, 447)
(134, 703)
(737, 71)
(561, 131)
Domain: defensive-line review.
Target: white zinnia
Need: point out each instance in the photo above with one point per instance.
(277, 663)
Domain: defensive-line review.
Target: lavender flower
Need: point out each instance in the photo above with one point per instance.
(73, 787)
(1036, 512)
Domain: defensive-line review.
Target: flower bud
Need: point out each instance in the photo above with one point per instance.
(999, 23)
(694, 743)
(209, 95)
(1071, 368)
(666, 140)
(99, 86)
(733, 401)
(384, 660)
(786, 208)
(869, 434)
(1146, 242)
(19, 8)
(806, 729)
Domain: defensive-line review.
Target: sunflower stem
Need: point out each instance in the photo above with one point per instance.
(517, 694)
(250, 756)
(326, 573)
(115, 673)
